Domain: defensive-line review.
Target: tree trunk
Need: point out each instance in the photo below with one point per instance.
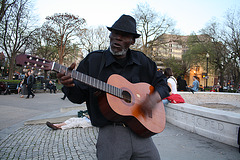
(221, 77)
(11, 68)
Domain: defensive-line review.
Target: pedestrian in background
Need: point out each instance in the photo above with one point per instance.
(24, 90)
(52, 86)
(30, 82)
(195, 86)
(172, 83)
(181, 84)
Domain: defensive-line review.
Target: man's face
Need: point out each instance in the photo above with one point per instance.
(120, 42)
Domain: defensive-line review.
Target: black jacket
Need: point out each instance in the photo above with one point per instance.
(30, 81)
(136, 68)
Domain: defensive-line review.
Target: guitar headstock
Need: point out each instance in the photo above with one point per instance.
(28, 60)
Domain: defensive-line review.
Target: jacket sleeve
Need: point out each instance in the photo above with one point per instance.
(154, 77)
(76, 94)
(160, 84)
(79, 93)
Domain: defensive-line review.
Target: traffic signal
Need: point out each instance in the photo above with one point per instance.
(204, 75)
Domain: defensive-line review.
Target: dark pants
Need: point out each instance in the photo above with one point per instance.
(118, 142)
(29, 88)
(52, 88)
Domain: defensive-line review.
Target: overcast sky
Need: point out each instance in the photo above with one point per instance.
(190, 15)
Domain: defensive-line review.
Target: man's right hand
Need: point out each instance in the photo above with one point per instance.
(66, 80)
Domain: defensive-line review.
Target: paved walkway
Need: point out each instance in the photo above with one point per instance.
(36, 141)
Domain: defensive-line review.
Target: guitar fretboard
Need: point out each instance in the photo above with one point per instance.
(89, 80)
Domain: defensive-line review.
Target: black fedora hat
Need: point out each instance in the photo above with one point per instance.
(126, 24)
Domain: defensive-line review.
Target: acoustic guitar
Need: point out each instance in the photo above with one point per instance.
(121, 101)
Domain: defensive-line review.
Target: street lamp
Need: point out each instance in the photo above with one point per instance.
(207, 55)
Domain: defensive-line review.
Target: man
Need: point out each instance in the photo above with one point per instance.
(115, 140)
(195, 85)
(181, 84)
(30, 82)
(52, 86)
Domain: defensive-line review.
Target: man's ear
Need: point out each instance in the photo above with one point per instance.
(133, 41)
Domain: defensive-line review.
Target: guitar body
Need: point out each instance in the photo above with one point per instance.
(129, 111)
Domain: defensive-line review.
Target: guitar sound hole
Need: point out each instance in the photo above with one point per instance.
(126, 96)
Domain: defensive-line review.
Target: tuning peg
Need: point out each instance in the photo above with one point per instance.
(44, 61)
(42, 66)
(30, 58)
(37, 60)
(35, 65)
(28, 63)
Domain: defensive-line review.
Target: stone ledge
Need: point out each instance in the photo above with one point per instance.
(215, 124)
(211, 97)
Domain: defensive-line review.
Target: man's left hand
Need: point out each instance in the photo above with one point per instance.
(149, 103)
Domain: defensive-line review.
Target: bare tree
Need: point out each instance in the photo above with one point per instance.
(43, 46)
(5, 4)
(15, 30)
(230, 36)
(62, 27)
(151, 25)
(94, 39)
(216, 49)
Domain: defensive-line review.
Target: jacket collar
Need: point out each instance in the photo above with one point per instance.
(132, 58)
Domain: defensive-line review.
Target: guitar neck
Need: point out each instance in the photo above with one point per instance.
(93, 82)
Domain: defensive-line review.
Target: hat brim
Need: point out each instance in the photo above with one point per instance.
(134, 34)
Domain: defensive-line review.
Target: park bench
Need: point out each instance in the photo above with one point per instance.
(39, 87)
(12, 87)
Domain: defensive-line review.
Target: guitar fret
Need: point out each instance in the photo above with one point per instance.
(66, 71)
(85, 78)
(104, 86)
(94, 81)
(89, 80)
(118, 92)
(98, 84)
(112, 89)
(81, 75)
(115, 90)
(101, 85)
(72, 74)
(77, 76)
(107, 89)
(82, 79)
(59, 67)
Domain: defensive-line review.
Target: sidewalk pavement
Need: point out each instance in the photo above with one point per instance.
(30, 138)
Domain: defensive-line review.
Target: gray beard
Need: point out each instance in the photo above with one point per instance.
(123, 52)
